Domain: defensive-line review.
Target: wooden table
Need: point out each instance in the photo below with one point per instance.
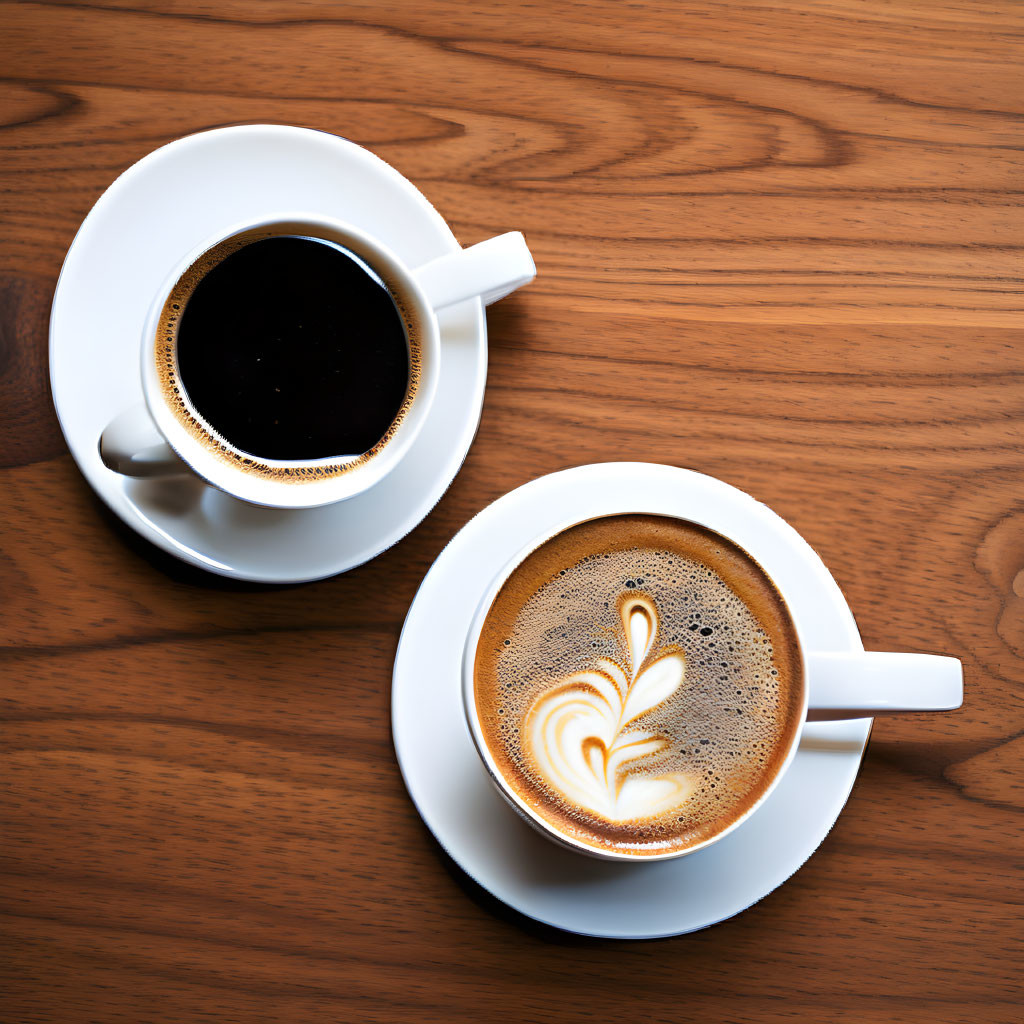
(776, 243)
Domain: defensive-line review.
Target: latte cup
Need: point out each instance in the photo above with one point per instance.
(167, 436)
(832, 685)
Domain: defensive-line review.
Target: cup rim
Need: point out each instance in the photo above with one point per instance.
(301, 493)
(479, 742)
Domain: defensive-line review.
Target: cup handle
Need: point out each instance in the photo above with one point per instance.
(490, 269)
(133, 446)
(870, 683)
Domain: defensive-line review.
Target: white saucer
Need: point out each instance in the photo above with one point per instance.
(450, 787)
(159, 209)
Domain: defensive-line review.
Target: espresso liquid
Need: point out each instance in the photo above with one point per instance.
(638, 683)
(292, 348)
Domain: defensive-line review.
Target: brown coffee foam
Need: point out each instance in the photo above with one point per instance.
(559, 612)
(175, 394)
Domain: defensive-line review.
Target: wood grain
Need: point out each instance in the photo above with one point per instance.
(779, 243)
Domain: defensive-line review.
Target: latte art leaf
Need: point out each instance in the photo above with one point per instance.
(577, 732)
(637, 682)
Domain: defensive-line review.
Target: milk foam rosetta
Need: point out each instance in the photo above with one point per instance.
(637, 683)
(580, 734)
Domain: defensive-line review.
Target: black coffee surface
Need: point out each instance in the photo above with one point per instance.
(292, 350)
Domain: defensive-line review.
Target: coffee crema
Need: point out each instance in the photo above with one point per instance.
(638, 683)
(277, 347)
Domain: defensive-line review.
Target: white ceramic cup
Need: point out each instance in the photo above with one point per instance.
(156, 439)
(836, 685)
